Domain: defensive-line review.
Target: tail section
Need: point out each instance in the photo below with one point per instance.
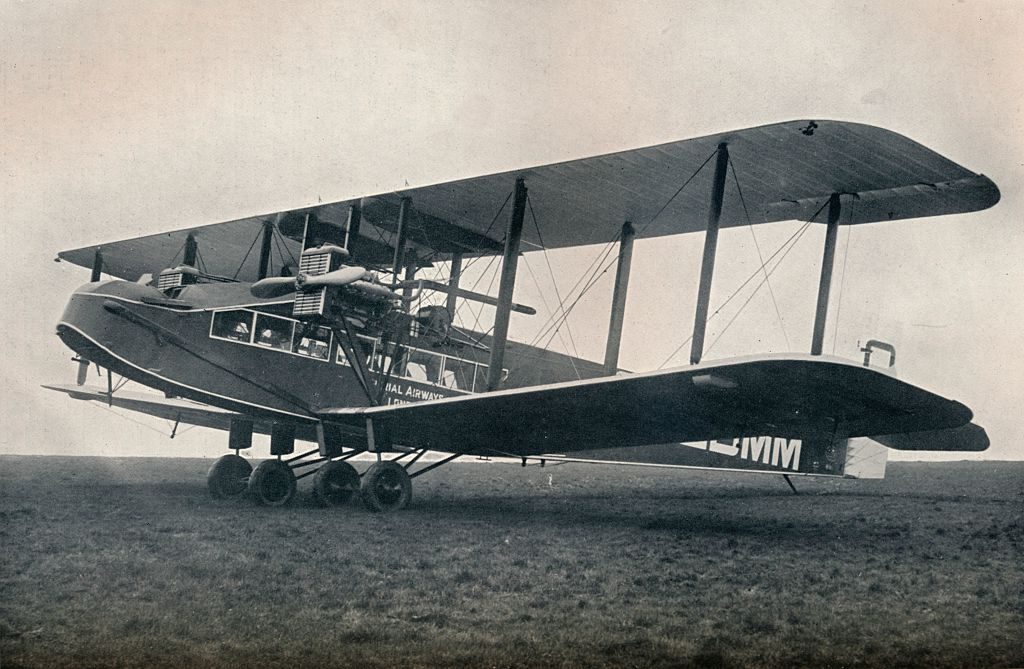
(856, 458)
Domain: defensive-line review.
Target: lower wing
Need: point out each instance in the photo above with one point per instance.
(796, 396)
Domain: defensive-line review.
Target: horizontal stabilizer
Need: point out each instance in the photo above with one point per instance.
(183, 411)
(968, 437)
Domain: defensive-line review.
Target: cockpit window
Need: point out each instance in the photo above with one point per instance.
(313, 341)
(234, 325)
(273, 332)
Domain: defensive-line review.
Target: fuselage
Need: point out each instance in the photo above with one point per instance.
(215, 343)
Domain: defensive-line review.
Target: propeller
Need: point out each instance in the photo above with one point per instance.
(336, 279)
(273, 286)
(276, 286)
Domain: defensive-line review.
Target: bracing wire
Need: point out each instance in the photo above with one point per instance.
(285, 245)
(749, 279)
(493, 221)
(551, 273)
(757, 288)
(750, 225)
(788, 243)
(251, 247)
(602, 271)
(544, 301)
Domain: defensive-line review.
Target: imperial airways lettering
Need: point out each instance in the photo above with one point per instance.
(775, 451)
(403, 393)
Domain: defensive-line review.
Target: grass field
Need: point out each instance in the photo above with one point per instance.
(127, 562)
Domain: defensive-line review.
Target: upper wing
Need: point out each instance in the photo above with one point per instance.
(791, 396)
(787, 171)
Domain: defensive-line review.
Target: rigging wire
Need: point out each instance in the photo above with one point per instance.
(750, 225)
(493, 221)
(594, 264)
(554, 284)
(598, 274)
(284, 243)
(251, 247)
(202, 262)
(543, 300)
(280, 254)
(132, 420)
(750, 278)
(758, 287)
(478, 314)
(753, 275)
(178, 252)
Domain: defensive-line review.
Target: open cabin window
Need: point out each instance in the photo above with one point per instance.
(313, 341)
(423, 366)
(236, 325)
(364, 344)
(273, 332)
(458, 374)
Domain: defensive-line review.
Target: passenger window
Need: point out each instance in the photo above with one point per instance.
(234, 325)
(312, 341)
(365, 344)
(423, 366)
(458, 374)
(273, 332)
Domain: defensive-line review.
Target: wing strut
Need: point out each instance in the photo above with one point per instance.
(508, 284)
(97, 266)
(611, 351)
(707, 267)
(265, 249)
(827, 262)
(454, 274)
(355, 218)
(400, 235)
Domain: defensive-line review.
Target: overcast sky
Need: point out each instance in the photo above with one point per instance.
(129, 118)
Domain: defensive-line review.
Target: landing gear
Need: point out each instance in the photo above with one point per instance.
(386, 486)
(335, 483)
(272, 483)
(228, 477)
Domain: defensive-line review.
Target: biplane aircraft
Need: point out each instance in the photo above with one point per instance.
(320, 324)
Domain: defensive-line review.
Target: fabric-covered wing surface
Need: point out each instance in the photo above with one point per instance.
(786, 171)
(786, 396)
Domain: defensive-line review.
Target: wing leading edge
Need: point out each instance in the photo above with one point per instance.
(785, 396)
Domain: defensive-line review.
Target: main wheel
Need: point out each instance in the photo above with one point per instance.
(272, 483)
(228, 476)
(335, 483)
(386, 486)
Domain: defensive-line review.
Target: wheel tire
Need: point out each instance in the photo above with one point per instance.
(386, 486)
(335, 483)
(228, 477)
(272, 483)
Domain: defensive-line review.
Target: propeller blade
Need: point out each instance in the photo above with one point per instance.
(335, 279)
(466, 295)
(274, 286)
